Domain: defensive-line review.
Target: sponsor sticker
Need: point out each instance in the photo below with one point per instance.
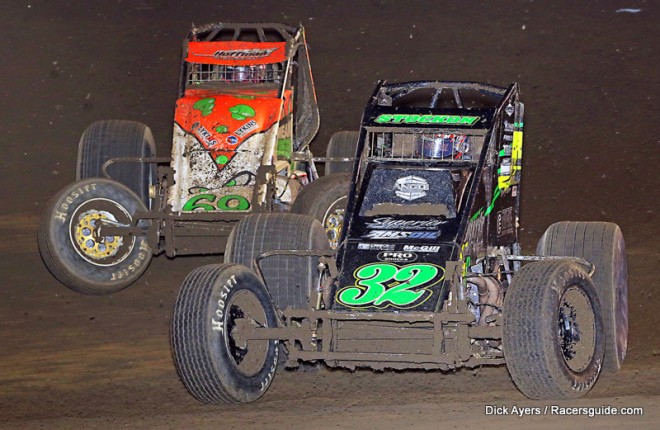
(411, 187)
(389, 234)
(397, 256)
(240, 54)
(421, 248)
(246, 128)
(376, 246)
(389, 223)
(232, 139)
(204, 135)
(427, 119)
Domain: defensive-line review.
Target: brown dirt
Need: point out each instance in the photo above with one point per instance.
(588, 76)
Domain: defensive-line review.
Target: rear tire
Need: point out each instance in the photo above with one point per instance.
(552, 330)
(215, 363)
(602, 244)
(289, 278)
(325, 199)
(343, 144)
(72, 252)
(104, 140)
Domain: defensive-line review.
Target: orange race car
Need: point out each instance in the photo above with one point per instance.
(244, 119)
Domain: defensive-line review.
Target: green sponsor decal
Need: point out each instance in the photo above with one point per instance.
(385, 284)
(241, 112)
(205, 106)
(427, 119)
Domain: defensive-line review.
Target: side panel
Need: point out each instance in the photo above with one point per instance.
(493, 217)
(503, 228)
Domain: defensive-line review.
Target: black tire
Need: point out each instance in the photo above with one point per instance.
(288, 278)
(69, 249)
(325, 199)
(602, 244)
(552, 330)
(343, 144)
(214, 363)
(104, 140)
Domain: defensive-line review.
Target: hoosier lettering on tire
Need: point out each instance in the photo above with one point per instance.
(553, 335)
(214, 311)
(71, 242)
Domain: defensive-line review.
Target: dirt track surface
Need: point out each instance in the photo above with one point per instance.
(589, 80)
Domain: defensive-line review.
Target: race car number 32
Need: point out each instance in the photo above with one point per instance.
(385, 284)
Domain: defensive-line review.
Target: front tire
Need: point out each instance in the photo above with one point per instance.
(602, 244)
(552, 330)
(73, 251)
(214, 360)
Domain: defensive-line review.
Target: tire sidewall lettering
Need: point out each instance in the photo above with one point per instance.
(218, 336)
(61, 210)
(59, 217)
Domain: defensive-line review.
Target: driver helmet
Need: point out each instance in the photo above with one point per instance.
(440, 145)
(248, 73)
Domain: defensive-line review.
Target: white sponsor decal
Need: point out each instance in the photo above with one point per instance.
(389, 223)
(397, 256)
(421, 248)
(388, 234)
(411, 187)
(246, 128)
(376, 246)
(203, 134)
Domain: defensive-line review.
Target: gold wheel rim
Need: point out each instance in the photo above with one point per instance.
(89, 242)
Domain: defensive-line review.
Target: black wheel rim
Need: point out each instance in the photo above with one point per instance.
(246, 312)
(576, 329)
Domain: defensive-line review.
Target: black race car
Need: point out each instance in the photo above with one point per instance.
(428, 271)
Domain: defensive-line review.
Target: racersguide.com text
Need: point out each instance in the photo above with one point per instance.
(589, 411)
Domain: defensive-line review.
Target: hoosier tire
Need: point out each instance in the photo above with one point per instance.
(325, 199)
(552, 330)
(602, 244)
(343, 144)
(288, 278)
(215, 362)
(104, 140)
(71, 248)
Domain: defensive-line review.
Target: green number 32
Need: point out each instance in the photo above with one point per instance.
(384, 284)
